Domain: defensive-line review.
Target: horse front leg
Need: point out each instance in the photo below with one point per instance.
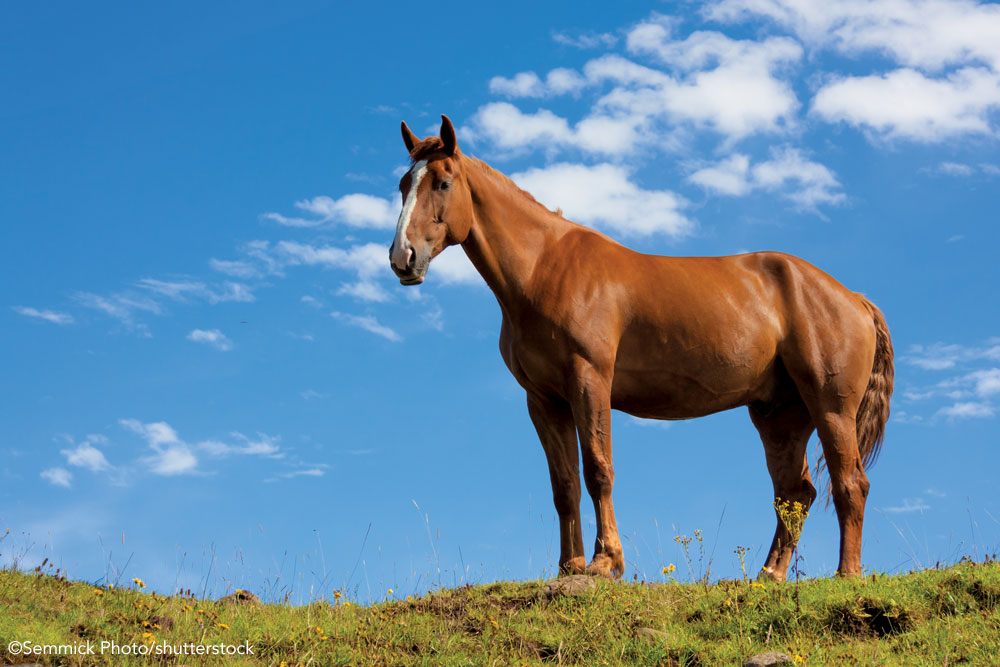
(553, 421)
(591, 403)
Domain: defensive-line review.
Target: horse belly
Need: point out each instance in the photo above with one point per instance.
(662, 384)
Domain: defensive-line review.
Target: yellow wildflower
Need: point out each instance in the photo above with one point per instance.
(98, 592)
(670, 568)
(138, 582)
(336, 595)
(223, 626)
(389, 591)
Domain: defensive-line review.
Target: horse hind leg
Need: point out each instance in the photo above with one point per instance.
(785, 430)
(848, 483)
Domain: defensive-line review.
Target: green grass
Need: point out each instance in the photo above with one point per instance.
(934, 617)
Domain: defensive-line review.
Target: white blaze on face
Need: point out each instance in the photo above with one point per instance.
(416, 175)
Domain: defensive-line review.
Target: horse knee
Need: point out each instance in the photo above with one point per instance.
(600, 480)
(851, 493)
(566, 499)
(809, 491)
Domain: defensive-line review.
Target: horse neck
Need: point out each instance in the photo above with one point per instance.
(509, 233)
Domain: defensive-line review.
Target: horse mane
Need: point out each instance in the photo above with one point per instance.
(513, 187)
(431, 145)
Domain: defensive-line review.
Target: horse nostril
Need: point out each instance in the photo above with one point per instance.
(411, 258)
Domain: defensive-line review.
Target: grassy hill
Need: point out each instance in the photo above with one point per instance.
(935, 617)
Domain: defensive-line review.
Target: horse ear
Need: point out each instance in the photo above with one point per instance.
(448, 136)
(409, 139)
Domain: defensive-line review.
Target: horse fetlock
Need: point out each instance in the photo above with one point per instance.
(574, 565)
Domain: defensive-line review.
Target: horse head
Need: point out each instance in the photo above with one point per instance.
(437, 203)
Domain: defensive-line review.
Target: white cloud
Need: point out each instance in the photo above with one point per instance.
(524, 84)
(368, 323)
(452, 267)
(970, 393)
(369, 261)
(356, 210)
(603, 195)
(180, 290)
(212, 337)
(85, 455)
(171, 455)
(310, 394)
(909, 505)
(929, 34)
(587, 40)
(967, 410)
(709, 81)
(311, 301)
(126, 306)
(907, 104)
(58, 476)
(726, 177)
(920, 99)
(122, 307)
(956, 169)
(169, 461)
(727, 84)
(365, 291)
(962, 170)
(936, 357)
(236, 268)
(156, 433)
(940, 356)
(305, 472)
(558, 81)
(508, 128)
(812, 183)
(987, 382)
(47, 315)
(264, 445)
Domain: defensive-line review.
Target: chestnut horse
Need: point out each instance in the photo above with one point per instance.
(590, 326)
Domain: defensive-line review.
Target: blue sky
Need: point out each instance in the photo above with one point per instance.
(209, 367)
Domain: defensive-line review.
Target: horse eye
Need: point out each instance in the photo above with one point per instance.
(444, 185)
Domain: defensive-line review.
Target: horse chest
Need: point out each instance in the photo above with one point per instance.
(538, 357)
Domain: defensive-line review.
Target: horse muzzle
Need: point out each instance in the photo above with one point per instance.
(414, 270)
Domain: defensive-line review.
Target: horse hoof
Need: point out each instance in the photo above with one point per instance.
(604, 566)
(767, 574)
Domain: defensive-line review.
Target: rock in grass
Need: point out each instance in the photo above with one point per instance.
(652, 634)
(242, 597)
(574, 585)
(769, 658)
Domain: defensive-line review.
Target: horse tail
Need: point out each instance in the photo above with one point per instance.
(873, 412)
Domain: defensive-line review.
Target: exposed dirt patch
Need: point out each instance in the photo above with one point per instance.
(867, 617)
(540, 650)
(987, 596)
(242, 597)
